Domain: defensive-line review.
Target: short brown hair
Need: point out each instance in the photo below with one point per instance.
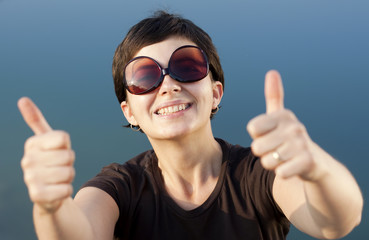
(157, 28)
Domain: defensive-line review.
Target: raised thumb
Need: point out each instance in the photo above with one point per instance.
(33, 116)
(273, 91)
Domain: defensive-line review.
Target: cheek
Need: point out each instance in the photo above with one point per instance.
(203, 86)
(204, 94)
(141, 103)
(207, 89)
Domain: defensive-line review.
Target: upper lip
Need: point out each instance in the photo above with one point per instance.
(170, 103)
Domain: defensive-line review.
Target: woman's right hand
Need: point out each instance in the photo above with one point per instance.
(47, 162)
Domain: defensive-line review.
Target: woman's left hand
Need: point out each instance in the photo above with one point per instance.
(279, 138)
(315, 192)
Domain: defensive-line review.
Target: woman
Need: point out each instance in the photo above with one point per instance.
(169, 83)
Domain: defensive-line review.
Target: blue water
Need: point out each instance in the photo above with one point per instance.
(59, 53)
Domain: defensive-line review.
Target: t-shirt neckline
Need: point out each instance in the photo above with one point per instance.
(208, 202)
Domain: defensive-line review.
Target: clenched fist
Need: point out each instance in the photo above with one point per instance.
(48, 160)
(280, 139)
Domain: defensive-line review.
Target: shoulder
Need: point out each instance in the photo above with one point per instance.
(120, 180)
(237, 155)
(229, 148)
(133, 167)
(242, 165)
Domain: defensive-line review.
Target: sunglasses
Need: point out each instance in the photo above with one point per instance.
(186, 64)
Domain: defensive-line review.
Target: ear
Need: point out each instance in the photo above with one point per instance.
(127, 111)
(217, 93)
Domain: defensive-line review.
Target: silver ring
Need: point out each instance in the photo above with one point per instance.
(277, 156)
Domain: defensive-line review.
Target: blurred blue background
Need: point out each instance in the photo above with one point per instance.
(59, 53)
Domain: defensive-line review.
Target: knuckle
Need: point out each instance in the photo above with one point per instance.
(29, 177)
(63, 135)
(49, 197)
(263, 161)
(301, 126)
(289, 114)
(71, 156)
(56, 139)
(64, 191)
(30, 159)
(256, 124)
(300, 143)
(72, 174)
(67, 158)
(308, 159)
(255, 148)
(30, 142)
(69, 190)
(43, 194)
(250, 128)
(66, 175)
(35, 193)
(267, 163)
(296, 128)
(64, 138)
(25, 163)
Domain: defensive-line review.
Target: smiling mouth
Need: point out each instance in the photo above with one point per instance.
(172, 109)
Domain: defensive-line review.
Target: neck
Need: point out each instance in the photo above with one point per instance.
(186, 153)
(189, 166)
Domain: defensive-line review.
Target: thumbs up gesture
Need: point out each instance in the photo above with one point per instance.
(48, 160)
(279, 139)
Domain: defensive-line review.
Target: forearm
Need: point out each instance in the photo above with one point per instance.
(334, 200)
(67, 222)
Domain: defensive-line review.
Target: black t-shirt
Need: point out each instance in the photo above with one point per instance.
(240, 207)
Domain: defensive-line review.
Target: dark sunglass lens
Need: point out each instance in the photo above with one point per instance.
(188, 64)
(141, 75)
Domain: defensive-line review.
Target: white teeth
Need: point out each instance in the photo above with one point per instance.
(172, 109)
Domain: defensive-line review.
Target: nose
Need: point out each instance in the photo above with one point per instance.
(169, 85)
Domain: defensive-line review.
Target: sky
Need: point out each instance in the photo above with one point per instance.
(59, 53)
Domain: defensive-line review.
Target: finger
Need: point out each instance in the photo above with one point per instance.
(51, 158)
(269, 162)
(49, 141)
(50, 193)
(267, 143)
(285, 152)
(261, 125)
(33, 116)
(273, 91)
(297, 166)
(59, 158)
(291, 148)
(50, 175)
(58, 175)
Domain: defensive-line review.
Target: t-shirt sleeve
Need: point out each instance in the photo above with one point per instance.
(260, 185)
(114, 180)
(124, 183)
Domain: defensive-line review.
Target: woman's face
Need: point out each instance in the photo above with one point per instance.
(174, 109)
